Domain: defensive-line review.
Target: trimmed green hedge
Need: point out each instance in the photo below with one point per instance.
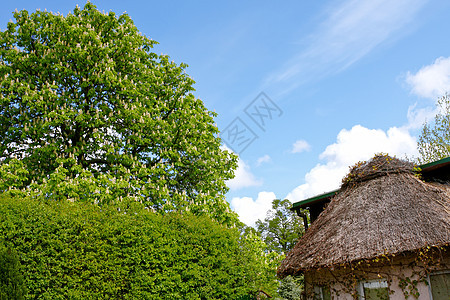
(11, 279)
(81, 251)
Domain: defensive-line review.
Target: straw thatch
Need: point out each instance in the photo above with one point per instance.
(382, 209)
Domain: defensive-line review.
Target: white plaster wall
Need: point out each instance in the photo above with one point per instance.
(392, 273)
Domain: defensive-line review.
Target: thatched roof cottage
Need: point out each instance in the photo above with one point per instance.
(384, 235)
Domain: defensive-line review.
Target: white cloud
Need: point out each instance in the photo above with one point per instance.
(361, 143)
(250, 210)
(349, 32)
(243, 175)
(418, 116)
(431, 81)
(300, 146)
(263, 159)
(356, 144)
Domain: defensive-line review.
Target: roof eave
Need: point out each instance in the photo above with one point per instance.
(307, 202)
(435, 164)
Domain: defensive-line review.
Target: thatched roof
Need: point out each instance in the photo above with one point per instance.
(382, 208)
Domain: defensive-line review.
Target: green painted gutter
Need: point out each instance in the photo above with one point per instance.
(435, 163)
(317, 198)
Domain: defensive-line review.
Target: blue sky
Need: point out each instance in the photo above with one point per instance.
(342, 80)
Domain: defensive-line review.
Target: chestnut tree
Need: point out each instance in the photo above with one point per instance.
(89, 113)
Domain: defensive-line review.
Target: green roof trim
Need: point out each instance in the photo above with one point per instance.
(435, 163)
(304, 203)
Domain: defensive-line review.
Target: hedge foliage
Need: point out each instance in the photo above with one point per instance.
(11, 279)
(82, 251)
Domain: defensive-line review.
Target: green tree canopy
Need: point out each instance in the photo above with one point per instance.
(281, 229)
(88, 112)
(291, 288)
(434, 141)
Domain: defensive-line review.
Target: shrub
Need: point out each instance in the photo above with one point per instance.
(81, 251)
(11, 279)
